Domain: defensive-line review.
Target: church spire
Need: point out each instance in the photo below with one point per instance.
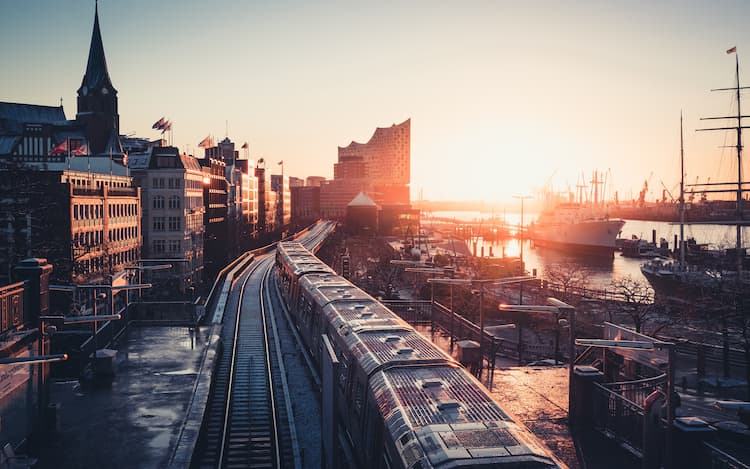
(96, 78)
(97, 98)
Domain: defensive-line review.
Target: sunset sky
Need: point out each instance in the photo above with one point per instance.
(503, 95)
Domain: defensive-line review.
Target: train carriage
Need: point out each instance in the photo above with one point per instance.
(401, 401)
(314, 295)
(363, 346)
(440, 416)
(293, 261)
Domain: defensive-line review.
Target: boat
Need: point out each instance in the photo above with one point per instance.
(576, 226)
(640, 248)
(699, 271)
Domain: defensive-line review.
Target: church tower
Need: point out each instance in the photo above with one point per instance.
(97, 98)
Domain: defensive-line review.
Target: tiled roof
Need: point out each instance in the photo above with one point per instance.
(31, 113)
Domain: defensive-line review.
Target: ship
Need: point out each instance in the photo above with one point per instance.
(692, 272)
(576, 226)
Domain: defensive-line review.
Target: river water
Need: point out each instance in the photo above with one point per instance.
(602, 271)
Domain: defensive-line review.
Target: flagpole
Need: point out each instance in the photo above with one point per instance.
(67, 144)
(88, 166)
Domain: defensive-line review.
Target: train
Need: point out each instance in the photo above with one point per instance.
(390, 397)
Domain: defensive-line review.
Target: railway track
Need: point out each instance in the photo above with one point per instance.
(247, 421)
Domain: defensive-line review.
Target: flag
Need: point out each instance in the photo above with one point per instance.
(60, 149)
(733, 50)
(280, 162)
(159, 124)
(245, 146)
(167, 126)
(261, 161)
(82, 150)
(206, 142)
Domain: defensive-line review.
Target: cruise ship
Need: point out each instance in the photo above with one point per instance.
(576, 227)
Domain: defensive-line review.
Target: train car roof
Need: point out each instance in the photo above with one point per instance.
(442, 416)
(323, 293)
(325, 278)
(306, 267)
(291, 245)
(379, 338)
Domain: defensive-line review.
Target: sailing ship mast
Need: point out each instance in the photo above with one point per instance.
(738, 128)
(682, 196)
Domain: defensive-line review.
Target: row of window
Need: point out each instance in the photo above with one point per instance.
(174, 201)
(168, 223)
(166, 183)
(96, 211)
(93, 238)
(105, 263)
(162, 246)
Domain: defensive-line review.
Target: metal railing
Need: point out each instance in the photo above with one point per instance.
(618, 417)
(637, 391)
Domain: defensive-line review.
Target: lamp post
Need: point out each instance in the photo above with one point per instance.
(478, 287)
(556, 307)
(521, 230)
(94, 317)
(140, 268)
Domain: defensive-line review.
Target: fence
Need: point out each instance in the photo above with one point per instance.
(637, 391)
(618, 417)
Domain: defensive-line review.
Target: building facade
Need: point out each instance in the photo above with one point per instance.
(283, 202)
(305, 205)
(85, 223)
(380, 168)
(215, 240)
(172, 217)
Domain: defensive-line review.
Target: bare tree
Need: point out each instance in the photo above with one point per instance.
(637, 297)
(567, 280)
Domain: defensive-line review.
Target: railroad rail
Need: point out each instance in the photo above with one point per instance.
(247, 422)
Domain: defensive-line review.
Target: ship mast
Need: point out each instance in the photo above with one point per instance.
(682, 196)
(739, 222)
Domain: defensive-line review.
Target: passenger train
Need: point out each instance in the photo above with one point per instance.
(399, 401)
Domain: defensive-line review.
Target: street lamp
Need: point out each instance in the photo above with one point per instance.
(140, 268)
(480, 291)
(556, 307)
(521, 230)
(434, 271)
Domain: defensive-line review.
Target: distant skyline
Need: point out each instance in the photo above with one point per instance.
(503, 96)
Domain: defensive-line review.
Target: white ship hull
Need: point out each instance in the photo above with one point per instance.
(595, 236)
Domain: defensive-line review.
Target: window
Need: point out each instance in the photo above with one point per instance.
(175, 224)
(158, 246)
(174, 245)
(174, 201)
(159, 201)
(158, 224)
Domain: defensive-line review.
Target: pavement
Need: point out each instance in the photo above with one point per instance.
(133, 419)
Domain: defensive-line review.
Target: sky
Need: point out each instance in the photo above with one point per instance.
(505, 97)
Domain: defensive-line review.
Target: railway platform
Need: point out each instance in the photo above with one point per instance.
(134, 418)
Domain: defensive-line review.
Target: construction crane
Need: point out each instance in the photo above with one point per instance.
(642, 195)
(665, 192)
